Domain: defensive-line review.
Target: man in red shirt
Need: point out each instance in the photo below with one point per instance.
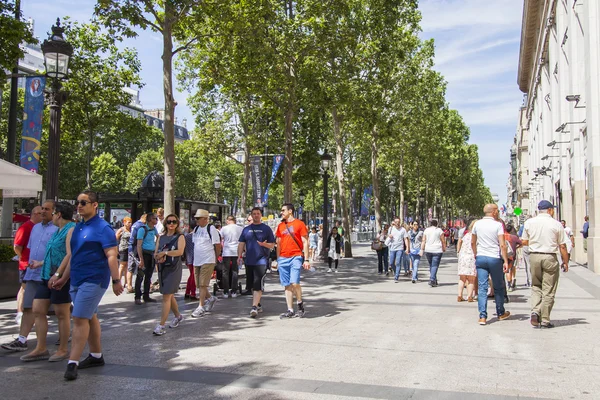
(22, 251)
(292, 256)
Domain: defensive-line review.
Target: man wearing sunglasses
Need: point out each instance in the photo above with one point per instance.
(207, 247)
(91, 262)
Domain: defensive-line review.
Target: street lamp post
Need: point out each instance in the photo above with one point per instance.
(57, 54)
(217, 183)
(302, 196)
(325, 164)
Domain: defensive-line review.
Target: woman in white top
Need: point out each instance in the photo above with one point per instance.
(333, 249)
(466, 265)
(433, 246)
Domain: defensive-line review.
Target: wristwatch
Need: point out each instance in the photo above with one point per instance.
(58, 274)
(115, 281)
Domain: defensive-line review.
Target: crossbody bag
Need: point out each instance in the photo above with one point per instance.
(287, 228)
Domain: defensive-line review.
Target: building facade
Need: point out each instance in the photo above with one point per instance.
(559, 73)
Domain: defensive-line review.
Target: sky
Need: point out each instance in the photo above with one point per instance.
(477, 51)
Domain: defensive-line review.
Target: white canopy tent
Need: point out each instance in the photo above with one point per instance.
(18, 182)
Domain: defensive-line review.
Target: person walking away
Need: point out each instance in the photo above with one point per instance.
(415, 236)
(570, 238)
(146, 242)
(489, 249)
(207, 249)
(38, 239)
(510, 235)
(334, 243)
(398, 244)
(256, 241)
(341, 232)
(170, 247)
(545, 237)
(91, 262)
(133, 257)
(123, 235)
(313, 241)
(585, 231)
(292, 256)
(383, 252)
(433, 247)
(22, 251)
(190, 287)
(231, 233)
(467, 273)
(320, 243)
(56, 250)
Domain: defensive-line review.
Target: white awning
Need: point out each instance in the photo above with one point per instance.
(18, 182)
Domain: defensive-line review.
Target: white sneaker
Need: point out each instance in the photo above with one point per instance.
(18, 318)
(253, 312)
(159, 330)
(176, 321)
(234, 295)
(329, 270)
(198, 312)
(210, 303)
(336, 271)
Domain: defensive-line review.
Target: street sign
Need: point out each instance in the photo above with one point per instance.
(372, 217)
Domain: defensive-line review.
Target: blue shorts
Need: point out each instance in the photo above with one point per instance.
(86, 298)
(289, 270)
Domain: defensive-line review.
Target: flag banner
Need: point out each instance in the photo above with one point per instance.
(277, 161)
(32, 123)
(366, 201)
(256, 181)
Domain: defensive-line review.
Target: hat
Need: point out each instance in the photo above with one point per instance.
(545, 204)
(200, 213)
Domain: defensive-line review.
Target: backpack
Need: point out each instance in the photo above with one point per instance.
(135, 239)
(510, 253)
(210, 235)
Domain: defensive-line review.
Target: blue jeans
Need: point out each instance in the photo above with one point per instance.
(487, 266)
(396, 257)
(382, 259)
(434, 263)
(416, 259)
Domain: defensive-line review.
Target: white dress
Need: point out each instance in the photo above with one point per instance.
(466, 260)
(332, 254)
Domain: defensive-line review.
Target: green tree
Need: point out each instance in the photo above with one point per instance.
(106, 174)
(13, 34)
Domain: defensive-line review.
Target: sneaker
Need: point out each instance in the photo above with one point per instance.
(300, 313)
(18, 318)
(547, 326)
(535, 320)
(482, 321)
(233, 295)
(287, 315)
(159, 330)
(138, 302)
(15, 345)
(504, 316)
(71, 373)
(387, 274)
(198, 312)
(414, 281)
(329, 270)
(148, 300)
(336, 271)
(511, 288)
(90, 362)
(506, 299)
(210, 303)
(176, 321)
(254, 312)
(260, 309)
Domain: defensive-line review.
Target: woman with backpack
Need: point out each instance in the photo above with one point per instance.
(170, 246)
(333, 249)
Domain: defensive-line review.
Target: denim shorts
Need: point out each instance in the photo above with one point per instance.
(289, 269)
(55, 296)
(31, 288)
(86, 298)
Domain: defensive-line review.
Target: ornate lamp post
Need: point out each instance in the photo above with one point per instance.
(217, 183)
(57, 54)
(325, 165)
(302, 196)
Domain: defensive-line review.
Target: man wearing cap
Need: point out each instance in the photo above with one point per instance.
(207, 247)
(545, 236)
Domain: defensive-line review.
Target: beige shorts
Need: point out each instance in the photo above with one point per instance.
(203, 274)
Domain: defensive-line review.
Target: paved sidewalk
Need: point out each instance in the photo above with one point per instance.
(364, 336)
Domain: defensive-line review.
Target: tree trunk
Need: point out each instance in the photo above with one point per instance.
(375, 178)
(246, 181)
(169, 127)
(288, 165)
(339, 163)
(401, 188)
(88, 174)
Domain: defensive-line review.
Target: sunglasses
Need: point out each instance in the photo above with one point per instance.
(172, 222)
(83, 203)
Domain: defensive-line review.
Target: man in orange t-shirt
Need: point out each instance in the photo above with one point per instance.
(292, 256)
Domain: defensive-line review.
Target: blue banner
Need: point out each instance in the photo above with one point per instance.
(277, 161)
(366, 201)
(32, 123)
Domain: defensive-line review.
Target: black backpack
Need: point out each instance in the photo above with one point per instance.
(135, 240)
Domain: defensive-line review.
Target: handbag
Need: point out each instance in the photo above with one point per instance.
(376, 245)
(169, 260)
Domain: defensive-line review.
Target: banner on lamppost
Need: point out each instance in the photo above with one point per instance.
(32, 123)
(277, 161)
(256, 181)
(366, 201)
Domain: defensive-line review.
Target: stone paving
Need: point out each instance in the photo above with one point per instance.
(364, 336)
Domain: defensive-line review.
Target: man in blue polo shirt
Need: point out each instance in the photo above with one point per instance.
(92, 262)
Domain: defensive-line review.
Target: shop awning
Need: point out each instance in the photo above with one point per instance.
(18, 182)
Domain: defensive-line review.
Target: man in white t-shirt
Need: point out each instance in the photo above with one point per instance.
(398, 245)
(207, 247)
(489, 249)
(433, 246)
(231, 234)
(570, 237)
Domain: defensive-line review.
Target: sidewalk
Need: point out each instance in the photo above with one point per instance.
(364, 336)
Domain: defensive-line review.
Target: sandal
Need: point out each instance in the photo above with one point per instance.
(470, 299)
(459, 299)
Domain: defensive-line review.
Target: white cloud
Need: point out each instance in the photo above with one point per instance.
(458, 52)
(477, 69)
(494, 114)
